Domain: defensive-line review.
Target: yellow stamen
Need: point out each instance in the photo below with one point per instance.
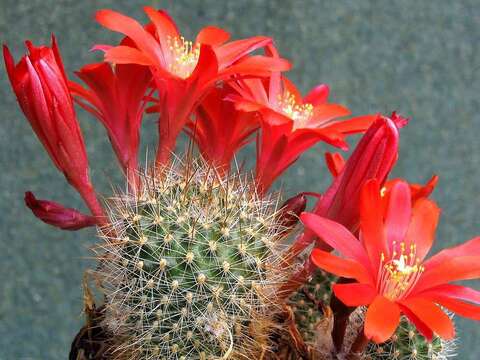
(299, 113)
(184, 56)
(399, 275)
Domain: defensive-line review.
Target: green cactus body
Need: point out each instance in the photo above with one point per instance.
(306, 304)
(192, 267)
(408, 344)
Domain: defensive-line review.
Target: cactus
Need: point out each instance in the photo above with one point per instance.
(408, 344)
(189, 266)
(307, 301)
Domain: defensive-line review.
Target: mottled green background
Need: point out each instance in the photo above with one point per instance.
(420, 57)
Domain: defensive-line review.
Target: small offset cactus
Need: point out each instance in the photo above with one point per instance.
(188, 264)
(408, 344)
(306, 303)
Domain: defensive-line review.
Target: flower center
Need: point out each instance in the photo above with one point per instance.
(184, 56)
(299, 113)
(399, 275)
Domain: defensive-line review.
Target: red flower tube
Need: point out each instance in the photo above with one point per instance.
(40, 84)
(184, 71)
(388, 266)
(115, 96)
(219, 130)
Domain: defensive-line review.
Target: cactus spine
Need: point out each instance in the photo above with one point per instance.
(408, 344)
(192, 268)
(307, 304)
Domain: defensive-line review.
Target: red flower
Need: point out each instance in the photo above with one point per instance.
(40, 84)
(374, 157)
(57, 215)
(389, 267)
(115, 97)
(292, 124)
(184, 71)
(220, 130)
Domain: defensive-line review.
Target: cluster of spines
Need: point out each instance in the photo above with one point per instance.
(408, 344)
(190, 266)
(308, 302)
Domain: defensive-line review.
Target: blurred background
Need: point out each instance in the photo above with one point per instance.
(419, 57)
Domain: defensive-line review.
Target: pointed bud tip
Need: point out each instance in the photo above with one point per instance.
(291, 209)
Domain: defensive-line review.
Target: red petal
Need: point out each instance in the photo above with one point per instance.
(398, 213)
(454, 269)
(232, 51)
(256, 65)
(9, 64)
(164, 24)
(166, 31)
(318, 95)
(127, 55)
(355, 294)
(207, 68)
(290, 87)
(461, 308)
(470, 247)
(337, 236)
(118, 22)
(419, 191)
(323, 113)
(432, 316)
(371, 221)
(420, 325)
(335, 163)
(454, 291)
(353, 125)
(421, 231)
(212, 35)
(341, 267)
(381, 320)
(461, 300)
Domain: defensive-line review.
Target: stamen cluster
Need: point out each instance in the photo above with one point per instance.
(400, 274)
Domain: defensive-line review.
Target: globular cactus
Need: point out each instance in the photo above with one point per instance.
(190, 267)
(306, 304)
(408, 344)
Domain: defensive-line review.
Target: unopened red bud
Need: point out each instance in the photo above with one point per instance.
(291, 210)
(57, 215)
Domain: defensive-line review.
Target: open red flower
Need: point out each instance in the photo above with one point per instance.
(184, 71)
(115, 96)
(391, 275)
(40, 84)
(219, 129)
(292, 124)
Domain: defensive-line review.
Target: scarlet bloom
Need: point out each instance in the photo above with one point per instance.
(219, 130)
(57, 215)
(389, 267)
(291, 124)
(184, 71)
(115, 96)
(40, 84)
